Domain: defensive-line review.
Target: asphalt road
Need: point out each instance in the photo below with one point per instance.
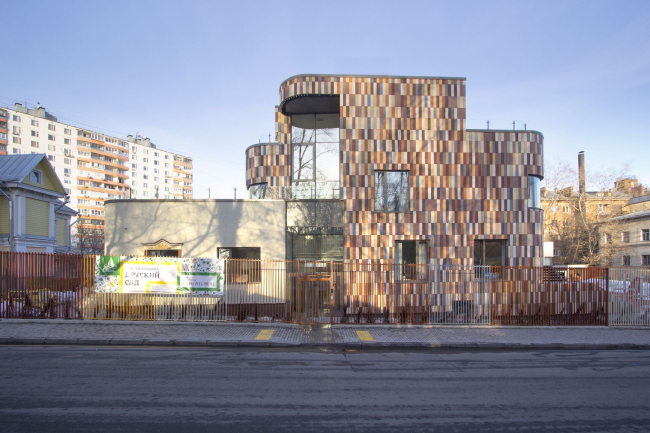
(77, 389)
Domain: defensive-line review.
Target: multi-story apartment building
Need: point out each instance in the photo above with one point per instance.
(3, 131)
(95, 167)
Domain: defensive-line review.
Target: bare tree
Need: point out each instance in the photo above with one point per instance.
(89, 239)
(577, 220)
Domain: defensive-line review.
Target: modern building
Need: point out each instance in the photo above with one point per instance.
(372, 168)
(3, 131)
(32, 217)
(95, 167)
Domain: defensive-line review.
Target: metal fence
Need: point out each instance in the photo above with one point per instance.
(61, 286)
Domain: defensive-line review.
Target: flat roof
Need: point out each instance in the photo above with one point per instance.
(374, 76)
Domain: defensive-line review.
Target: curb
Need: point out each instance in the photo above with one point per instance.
(470, 347)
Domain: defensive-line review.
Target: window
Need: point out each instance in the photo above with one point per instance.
(155, 162)
(556, 252)
(15, 118)
(145, 185)
(489, 252)
(145, 168)
(534, 192)
(144, 176)
(145, 193)
(625, 237)
(166, 157)
(35, 144)
(608, 238)
(645, 235)
(566, 209)
(392, 191)
(155, 154)
(34, 122)
(16, 130)
(155, 170)
(50, 158)
(645, 260)
(134, 166)
(17, 151)
(602, 208)
(50, 137)
(258, 191)
(51, 127)
(16, 140)
(66, 141)
(626, 260)
(247, 267)
(36, 176)
(67, 161)
(51, 147)
(554, 209)
(166, 164)
(145, 159)
(67, 131)
(411, 258)
(67, 172)
(155, 178)
(34, 133)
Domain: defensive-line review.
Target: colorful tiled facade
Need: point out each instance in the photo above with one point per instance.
(464, 185)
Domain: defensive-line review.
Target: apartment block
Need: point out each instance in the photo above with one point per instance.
(93, 166)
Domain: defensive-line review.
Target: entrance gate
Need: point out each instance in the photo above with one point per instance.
(315, 293)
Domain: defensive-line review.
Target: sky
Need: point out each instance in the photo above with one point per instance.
(201, 78)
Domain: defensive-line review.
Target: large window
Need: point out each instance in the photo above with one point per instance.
(534, 192)
(259, 190)
(245, 270)
(489, 252)
(411, 258)
(392, 191)
(315, 149)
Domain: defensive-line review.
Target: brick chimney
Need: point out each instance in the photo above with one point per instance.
(581, 172)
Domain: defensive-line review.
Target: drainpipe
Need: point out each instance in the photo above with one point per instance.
(11, 221)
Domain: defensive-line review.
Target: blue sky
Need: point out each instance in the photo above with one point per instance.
(201, 78)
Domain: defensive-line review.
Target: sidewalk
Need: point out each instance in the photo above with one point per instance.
(72, 332)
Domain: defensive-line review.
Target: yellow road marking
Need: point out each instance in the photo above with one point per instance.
(365, 336)
(265, 334)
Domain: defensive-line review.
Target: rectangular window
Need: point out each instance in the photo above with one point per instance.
(155, 162)
(411, 259)
(51, 127)
(50, 158)
(645, 235)
(534, 192)
(608, 238)
(34, 133)
(67, 131)
(565, 209)
(145, 159)
(66, 141)
(16, 140)
(489, 252)
(34, 122)
(392, 191)
(67, 172)
(51, 147)
(556, 252)
(134, 166)
(554, 209)
(50, 137)
(17, 151)
(602, 208)
(36, 176)
(244, 266)
(67, 161)
(626, 260)
(625, 237)
(144, 176)
(645, 260)
(35, 143)
(15, 118)
(16, 130)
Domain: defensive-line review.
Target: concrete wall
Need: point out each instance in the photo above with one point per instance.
(201, 226)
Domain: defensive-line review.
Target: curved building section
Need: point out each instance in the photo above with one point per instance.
(417, 187)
